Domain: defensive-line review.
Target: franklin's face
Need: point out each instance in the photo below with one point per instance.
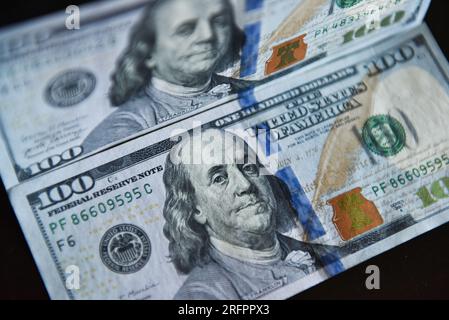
(192, 36)
(234, 200)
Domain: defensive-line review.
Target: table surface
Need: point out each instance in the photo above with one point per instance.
(417, 269)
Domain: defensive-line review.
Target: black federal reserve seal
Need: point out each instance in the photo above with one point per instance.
(125, 248)
(70, 88)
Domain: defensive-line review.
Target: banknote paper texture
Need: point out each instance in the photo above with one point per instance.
(69, 93)
(348, 160)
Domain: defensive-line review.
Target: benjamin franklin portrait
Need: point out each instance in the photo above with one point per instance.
(224, 221)
(171, 66)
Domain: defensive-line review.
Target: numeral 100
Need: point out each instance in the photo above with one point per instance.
(64, 191)
(54, 161)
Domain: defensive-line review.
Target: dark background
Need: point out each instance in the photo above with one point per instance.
(417, 269)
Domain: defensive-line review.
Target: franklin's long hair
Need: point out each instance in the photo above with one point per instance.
(131, 73)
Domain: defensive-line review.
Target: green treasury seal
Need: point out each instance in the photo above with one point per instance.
(347, 3)
(383, 135)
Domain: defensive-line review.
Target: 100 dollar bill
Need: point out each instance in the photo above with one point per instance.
(68, 93)
(322, 171)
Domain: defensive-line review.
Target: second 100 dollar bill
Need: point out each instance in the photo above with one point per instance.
(61, 88)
